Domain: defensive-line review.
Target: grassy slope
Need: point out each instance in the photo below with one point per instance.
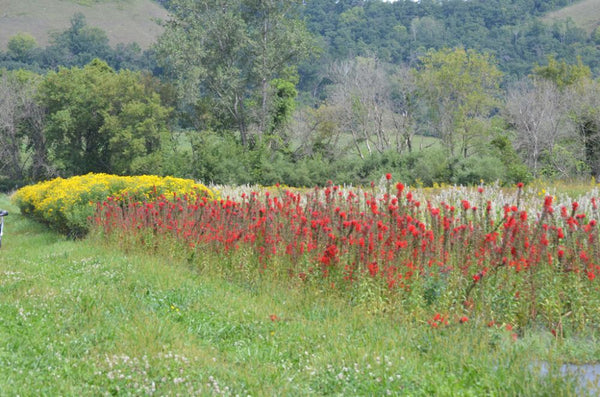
(77, 318)
(124, 21)
(585, 13)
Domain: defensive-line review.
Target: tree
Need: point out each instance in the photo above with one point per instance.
(561, 73)
(583, 99)
(403, 97)
(78, 45)
(22, 145)
(459, 89)
(538, 114)
(369, 110)
(361, 92)
(99, 120)
(20, 46)
(581, 107)
(227, 53)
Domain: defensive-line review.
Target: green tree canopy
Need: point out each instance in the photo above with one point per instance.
(102, 121)
(561, 73)
(20, 46)
(226, 53)
(79, 44)
(460, 89)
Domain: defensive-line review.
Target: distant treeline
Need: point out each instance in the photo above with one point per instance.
(402, 31)
(396, 32)
(75, 46)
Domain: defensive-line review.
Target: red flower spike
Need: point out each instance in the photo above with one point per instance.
(400, 188)
(591, 276)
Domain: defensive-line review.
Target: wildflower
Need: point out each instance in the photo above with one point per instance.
(548, 202)
(400, 188)
(388, 176)
(373, 269)
(274, 317)
(463, 319)
(466, 205)
(591, 276)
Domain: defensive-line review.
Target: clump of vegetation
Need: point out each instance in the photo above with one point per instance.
(67, 204)
(502, 258)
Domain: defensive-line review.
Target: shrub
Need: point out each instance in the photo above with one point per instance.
(66, 204)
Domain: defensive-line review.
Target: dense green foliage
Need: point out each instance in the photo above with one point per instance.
(75, 46)
(452, 91)
(401, 31)
(235, 58)
(102, 121)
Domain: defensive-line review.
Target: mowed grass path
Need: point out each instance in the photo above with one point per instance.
(79, 318)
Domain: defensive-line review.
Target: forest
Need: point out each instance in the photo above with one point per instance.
(302, 92)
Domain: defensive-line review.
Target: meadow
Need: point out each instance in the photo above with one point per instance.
(583, 13)
(278, 291)
(123, 21)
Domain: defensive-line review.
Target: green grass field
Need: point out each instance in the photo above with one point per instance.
(124, 21)
(585, 13)
(80, 318)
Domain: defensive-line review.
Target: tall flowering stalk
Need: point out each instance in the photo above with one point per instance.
(476, 251)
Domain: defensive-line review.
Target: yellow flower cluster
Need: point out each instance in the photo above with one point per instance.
(66, 204)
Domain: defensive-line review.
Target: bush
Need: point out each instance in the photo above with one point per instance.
(9, 185)
(473, 170)
(67, 204)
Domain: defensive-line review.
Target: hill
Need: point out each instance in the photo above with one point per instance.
(124, 21)
(585, 13)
